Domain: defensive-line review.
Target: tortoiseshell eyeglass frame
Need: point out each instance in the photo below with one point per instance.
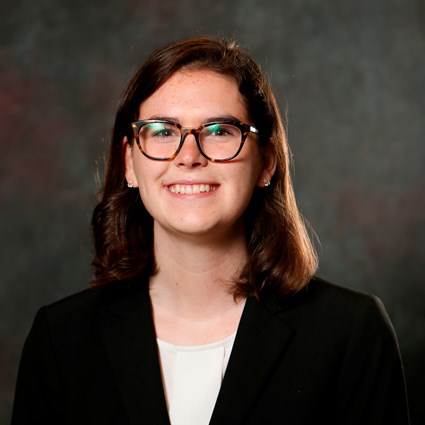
(245, 129)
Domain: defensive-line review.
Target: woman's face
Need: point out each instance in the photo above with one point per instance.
(191, 196)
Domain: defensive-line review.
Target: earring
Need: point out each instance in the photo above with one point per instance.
(266, 183)
(130, 184)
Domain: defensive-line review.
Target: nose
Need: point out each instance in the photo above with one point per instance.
(190, 156)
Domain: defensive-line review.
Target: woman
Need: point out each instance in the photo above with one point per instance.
(205, 308)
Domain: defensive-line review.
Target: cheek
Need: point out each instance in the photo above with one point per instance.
(246, 181)
(145, 188)
(148, 198)
(148, 175)
(145, 170)
(255, 171)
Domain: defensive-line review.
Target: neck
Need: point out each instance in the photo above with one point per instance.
(194, 276)
(191, 298)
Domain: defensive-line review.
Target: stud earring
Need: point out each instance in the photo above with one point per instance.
(266, 183)
(130, 184)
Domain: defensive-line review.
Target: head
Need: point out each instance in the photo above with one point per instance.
(281, 256)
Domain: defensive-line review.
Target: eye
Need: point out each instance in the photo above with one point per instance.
(160, 130)
(218, 130)
(223, 131)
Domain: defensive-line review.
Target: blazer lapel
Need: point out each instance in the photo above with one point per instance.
(260, 341)
(130, 340)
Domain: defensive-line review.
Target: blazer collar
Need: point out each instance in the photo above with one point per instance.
(128, 332)
(260, 341)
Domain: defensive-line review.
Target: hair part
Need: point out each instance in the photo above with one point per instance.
(281, 256)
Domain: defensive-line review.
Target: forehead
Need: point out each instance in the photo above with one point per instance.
(199, 94)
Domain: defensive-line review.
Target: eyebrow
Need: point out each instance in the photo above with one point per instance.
(220, 118)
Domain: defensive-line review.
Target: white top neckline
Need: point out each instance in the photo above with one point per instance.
(192, 376)
(210, 346)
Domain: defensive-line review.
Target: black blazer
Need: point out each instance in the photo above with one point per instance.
(325, 355)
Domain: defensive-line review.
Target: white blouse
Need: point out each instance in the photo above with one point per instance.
(192, 378)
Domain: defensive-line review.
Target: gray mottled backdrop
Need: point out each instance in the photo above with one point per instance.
(352, 74)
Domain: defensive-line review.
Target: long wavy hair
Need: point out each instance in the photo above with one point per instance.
(281, 257)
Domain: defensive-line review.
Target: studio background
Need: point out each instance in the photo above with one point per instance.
(351, 75)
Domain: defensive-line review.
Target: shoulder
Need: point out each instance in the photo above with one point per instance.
(323, 294)
(83, 308)
(325, 305)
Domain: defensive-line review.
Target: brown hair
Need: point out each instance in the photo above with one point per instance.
(281, 257)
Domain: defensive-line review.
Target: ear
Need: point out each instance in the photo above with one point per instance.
(268, 165)
(130, 175)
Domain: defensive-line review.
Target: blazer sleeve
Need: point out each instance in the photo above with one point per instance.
(38, 394)
(371, 386)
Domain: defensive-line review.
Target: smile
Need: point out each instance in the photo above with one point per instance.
(190, 189)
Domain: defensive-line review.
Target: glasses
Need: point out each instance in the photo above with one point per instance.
(162, 140)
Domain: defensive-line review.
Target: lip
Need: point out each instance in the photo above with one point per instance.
(192, 188)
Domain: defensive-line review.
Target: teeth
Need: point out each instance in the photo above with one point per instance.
(189, 189)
